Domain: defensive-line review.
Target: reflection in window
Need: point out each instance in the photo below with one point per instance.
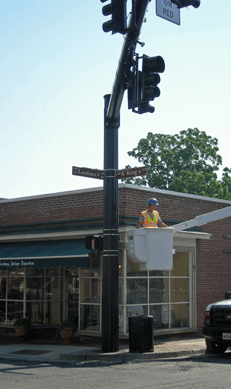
(137, 291)
(15, 288)
(94, 266)
(179, 289)
(135, 310)
(14, 310)
(43, 296)
(90, 317)
(180, 315)
(35, 288)
(160, 316)
(90, 290)
(158, 290)
(133, 270)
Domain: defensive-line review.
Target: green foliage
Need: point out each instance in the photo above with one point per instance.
(186, 162)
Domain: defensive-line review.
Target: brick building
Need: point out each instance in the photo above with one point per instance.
(47, 275)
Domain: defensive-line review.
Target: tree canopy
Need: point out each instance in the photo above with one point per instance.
(186, 162)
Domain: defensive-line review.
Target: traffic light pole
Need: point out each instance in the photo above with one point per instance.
(110, 331)
(112, 104)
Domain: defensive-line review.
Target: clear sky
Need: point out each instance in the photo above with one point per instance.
(57, 64)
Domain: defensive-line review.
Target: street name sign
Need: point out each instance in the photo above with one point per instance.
(133, 172)
(100, 174)
(167, 10)
(85, 172)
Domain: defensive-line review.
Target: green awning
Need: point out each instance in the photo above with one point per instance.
(54, 253)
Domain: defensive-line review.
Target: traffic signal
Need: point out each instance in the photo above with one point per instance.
(118, 11)
(186, 3)
(149, 78)
(94, 242)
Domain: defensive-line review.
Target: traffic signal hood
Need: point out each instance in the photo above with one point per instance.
(186, 3)
(143, 85)
(150, 77)
(118, 11)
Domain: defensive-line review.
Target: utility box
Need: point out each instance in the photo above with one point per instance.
(152, 248)
(141, 334)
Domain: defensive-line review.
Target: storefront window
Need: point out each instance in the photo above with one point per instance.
(35, 288)
(15, 287)
(14, 311)
(35, 311)
(179, 315)
(31, 294)
(90, 317)
(90, 290)
(158, 290)
(2, 296)
(94, 266)
(179, 289)
(35, 272)
(160, 315)
(161, 294)
(121, 291)
(133, 270)
(137, 291)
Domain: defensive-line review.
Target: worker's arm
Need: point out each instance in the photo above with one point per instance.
(160, 223)
(139, 224)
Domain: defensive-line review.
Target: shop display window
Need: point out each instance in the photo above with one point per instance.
(165, 295)
(31, 293)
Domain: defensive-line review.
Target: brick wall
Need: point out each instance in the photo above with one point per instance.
(213, 274)
(213, 266)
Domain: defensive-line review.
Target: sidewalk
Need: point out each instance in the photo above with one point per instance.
(79, 354)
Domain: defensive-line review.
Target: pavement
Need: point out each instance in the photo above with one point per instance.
(81, 354)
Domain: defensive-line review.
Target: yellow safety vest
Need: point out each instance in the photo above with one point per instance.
(148, 222)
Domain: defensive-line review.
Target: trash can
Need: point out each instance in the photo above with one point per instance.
(140, 334)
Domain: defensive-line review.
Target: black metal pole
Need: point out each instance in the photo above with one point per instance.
(112, 104)
(110, 331)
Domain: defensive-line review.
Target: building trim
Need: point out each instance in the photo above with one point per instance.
(121, 185)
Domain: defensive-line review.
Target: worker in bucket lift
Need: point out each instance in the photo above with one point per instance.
(150, 217)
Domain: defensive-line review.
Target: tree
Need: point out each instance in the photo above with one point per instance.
(186, 162)
(226, 184)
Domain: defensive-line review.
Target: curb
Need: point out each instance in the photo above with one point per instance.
(128, 357)
(84, 359)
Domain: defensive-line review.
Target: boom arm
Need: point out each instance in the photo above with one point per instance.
(203, 219)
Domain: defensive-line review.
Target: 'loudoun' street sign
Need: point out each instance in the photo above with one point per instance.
(85, 172)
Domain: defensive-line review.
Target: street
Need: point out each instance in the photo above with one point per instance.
(197, 372)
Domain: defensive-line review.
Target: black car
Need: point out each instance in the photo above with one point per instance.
(217, 326)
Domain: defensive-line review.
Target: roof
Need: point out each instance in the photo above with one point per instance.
(122, 185)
